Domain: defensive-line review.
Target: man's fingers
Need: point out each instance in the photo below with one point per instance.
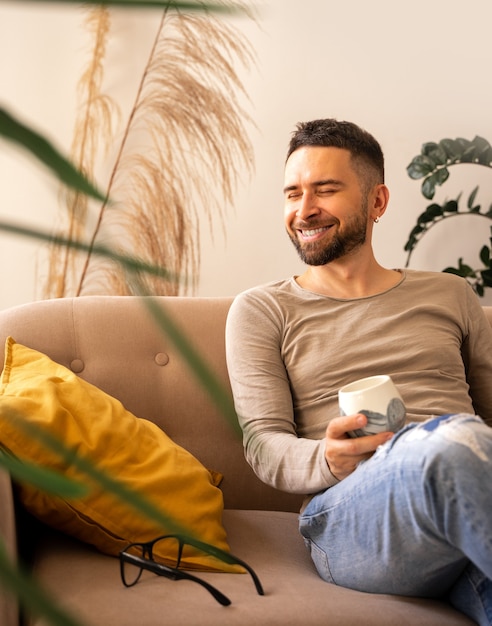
(344, 453)
(338, 427)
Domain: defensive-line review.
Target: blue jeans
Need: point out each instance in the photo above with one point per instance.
(415, 519)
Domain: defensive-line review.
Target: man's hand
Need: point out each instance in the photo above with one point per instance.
(344, 453)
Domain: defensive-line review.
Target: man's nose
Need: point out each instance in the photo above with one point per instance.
(307, 207)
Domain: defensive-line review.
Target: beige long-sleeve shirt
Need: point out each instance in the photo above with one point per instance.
(289, 350)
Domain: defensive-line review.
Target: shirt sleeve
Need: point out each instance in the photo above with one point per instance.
(263, 400)
(477, 357)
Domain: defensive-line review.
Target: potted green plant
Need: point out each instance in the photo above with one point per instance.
(433, 165)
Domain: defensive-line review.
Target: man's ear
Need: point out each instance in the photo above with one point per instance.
(379, 201)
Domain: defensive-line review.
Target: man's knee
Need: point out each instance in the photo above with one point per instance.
(455, 436)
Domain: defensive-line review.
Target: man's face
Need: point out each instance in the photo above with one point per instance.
(326, 213)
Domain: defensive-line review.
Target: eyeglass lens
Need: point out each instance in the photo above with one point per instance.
(165, 551)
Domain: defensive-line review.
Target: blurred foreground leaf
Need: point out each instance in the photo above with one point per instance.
(152, 4)
(30, 594)
(113, 485)
(17, 132)
(41, 478)
(135, 267)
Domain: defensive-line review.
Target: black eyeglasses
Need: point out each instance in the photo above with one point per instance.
(137, 557)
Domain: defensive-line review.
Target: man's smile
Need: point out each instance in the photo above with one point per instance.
(310, 234)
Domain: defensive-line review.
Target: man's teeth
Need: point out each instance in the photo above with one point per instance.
(314, 231)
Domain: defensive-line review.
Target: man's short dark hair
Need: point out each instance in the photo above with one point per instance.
(366, 153)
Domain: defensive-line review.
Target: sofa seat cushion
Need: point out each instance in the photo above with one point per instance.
(88, 583)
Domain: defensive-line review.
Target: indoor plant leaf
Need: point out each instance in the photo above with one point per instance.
(428, 188)
(435, 152)
(487, 277)
(41, 478)
(469, 155)
(130, 263)
(155, 4)
(30, 593)
(485, 256)
(413, 237)
(452, 148)
(480, 143)
(17, 132)
(451, 206)
(135, 267)
(471, 199)
(420, 166)
(465, 270)
(117, 488)
(432, 212)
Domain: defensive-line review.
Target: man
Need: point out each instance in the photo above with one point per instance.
(407, 513)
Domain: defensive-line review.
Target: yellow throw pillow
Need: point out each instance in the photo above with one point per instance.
(137, 452)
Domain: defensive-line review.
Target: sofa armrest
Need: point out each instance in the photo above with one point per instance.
(9, 615)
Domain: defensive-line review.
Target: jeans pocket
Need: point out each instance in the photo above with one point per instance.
(320, 561)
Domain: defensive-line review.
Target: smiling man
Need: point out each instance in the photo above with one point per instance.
(407, 513)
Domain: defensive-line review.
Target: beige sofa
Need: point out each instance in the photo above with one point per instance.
(113, 342)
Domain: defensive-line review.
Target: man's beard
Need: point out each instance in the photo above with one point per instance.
(341, 244)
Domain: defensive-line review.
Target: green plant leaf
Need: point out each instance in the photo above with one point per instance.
(414, 237)
(428, 188)
(485, 156)
(436, 153)
(452, 148)
(469, 155)
(134, 267)
(485, 256)
(465, 270)
(30, 594)
(198, 366)
(451, 206)
(155, 4)
(481, 144)
(432, 212)
(429, 185)
(130, 263)
(17, 132)
(471, 199)
(112, 485)
(420, 166)
(463, 144)
(487, 277)
(41, 478)
(453, 270)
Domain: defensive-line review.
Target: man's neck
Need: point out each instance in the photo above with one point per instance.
(343, 281)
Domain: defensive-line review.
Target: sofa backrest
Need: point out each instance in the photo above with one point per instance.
(114, 343)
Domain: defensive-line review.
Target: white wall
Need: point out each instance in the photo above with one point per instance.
(408, 73)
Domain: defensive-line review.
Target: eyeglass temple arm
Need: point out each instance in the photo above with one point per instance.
(218, 595)
(252, 573)
(228, 558)
(174, 574)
